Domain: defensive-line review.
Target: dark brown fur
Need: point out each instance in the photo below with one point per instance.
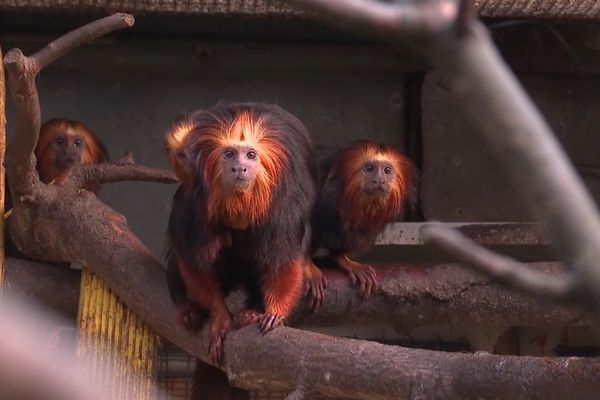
(242, 217)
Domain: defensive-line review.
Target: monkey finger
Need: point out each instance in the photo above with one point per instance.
(215, 350)
(317, 299)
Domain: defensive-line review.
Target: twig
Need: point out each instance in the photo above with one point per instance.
(503, 269)
(21, 71)
(69, 42)
(122, 170)
(391, 21)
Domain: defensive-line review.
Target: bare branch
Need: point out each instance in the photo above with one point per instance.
(69, 42)
(86, 174)
(391, 21)
(22, 71)
(498, 108)
(501, 268)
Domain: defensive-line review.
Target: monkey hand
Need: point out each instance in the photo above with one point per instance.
(191, 316)
(266, 322)
(246, 317)
(315, 284)
(366, 277)
(218, 328)
(361, 274)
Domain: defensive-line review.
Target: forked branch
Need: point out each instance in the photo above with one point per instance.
(21, 71)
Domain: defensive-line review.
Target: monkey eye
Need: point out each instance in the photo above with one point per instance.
(78, 142)
(60, 140)
(251, 154)
(387, 170)
(228, 153)
(180, 155)
(368, 167)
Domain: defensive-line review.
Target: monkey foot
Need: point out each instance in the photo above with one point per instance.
(246, 317)
(366, 277)
(191, 317)
(315, 285)
(219, 326)
(268, 322)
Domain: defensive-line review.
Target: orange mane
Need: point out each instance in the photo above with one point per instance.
(93, 152)
(250, 206)
(358, 209)
(174, 140)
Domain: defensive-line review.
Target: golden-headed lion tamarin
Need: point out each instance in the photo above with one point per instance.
(241, 214)
(363, 187)
(64, 143)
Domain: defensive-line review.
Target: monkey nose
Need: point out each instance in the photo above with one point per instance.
(239, 170)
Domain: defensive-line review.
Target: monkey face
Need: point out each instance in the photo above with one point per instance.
(239, 165)
(377, 177)
(66, 149)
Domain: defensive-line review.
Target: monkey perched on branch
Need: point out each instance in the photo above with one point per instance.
(241, 214)
(64, 143)
(363, 187)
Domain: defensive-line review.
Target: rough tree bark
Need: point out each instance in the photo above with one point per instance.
(410, 296)
(89, 233)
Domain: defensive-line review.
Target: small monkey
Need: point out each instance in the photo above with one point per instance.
(363, 187)
(64, 143)
(241, 215)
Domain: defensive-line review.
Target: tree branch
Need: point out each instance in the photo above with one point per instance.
(504, 269)
(69, 42)
(410, 296)
(21, 71)
(497, 107)
(85, 174)
(41, 283)
(395, 20)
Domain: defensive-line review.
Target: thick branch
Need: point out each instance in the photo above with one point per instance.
(395, 20)
(411, 296)
(496, 105)
(54, 286)
(502, 268)
(21, 71)
(333, 367)
(83, 175)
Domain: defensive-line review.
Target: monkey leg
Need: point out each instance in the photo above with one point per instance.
(191, 316)
(205, 289)
(315, 284)
(362, 274)
(282, 287)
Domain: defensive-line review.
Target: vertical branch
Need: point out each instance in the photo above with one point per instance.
(21, 161)
(2, 180)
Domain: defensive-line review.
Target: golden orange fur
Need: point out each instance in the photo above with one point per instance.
(174, 140)
(358, 209)
(248, 207)
(92, 153)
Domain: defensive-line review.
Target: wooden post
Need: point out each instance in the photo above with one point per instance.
(119, 348)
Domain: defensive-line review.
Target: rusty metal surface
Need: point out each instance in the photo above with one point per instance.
(463, 182)
(562, 9)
